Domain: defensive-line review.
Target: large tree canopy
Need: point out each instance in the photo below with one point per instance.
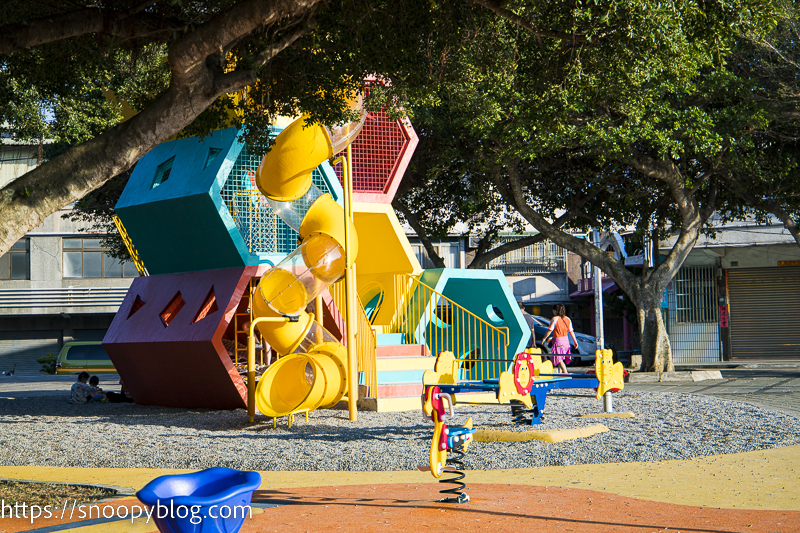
(638, 124)
(644, 113)
(70, 71)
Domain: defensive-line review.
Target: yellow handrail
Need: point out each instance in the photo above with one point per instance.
(426, 316)
(123, 233)
(365, 340)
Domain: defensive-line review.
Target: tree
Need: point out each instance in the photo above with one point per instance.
(72, 72)
(764, 172)
(635, 125)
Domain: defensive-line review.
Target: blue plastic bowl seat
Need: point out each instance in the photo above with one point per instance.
(216, 500)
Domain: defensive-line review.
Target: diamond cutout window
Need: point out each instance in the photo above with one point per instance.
(212, 155)
(209, 306)
(162, 172)
(172, 309)
(138, 303)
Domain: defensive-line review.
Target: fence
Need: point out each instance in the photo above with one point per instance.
(540, 258)
(428, 317)
(365, 339)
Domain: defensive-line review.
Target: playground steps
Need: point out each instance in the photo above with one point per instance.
(400, 367)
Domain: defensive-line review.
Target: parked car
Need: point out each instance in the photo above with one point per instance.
(78, 356)
(587, 344)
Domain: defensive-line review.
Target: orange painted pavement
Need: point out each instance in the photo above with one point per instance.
(412, 508)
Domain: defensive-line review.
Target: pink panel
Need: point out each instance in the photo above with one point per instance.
(381, 154)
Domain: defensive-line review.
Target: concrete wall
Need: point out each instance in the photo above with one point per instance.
(759, 256)
(540, 288)
(28, 332)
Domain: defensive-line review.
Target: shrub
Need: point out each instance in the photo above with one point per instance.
(48, 363)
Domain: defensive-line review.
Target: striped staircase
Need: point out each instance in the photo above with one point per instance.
(399, 369)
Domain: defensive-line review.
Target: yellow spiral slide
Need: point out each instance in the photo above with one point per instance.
(312, 372)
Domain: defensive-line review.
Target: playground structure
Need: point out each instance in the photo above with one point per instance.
(235, 243)
(524, 386)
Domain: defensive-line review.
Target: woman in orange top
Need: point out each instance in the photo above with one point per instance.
(560, 329)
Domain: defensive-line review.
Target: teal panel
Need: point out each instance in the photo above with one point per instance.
(486, 294)
(390, 339)
(190, 235)
(189, 174)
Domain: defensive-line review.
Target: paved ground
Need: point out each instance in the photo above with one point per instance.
(45, 385)
(775, 388)
(755, 491)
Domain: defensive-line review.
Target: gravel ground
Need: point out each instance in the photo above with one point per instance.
(48, 431)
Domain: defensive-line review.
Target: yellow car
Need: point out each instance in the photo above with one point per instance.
(78, 356)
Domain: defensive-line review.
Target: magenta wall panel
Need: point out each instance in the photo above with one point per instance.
(165, 353)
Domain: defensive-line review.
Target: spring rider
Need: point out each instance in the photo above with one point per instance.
(449, 443)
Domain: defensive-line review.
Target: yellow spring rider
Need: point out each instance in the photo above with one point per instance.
(312, 370)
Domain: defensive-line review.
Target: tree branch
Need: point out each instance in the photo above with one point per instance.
(692, 218)
(28, 34)
(482, 259)
(240, 19)
(26, 201)
(515, 196)
(770, 206)
(413, 221)
(237, 79)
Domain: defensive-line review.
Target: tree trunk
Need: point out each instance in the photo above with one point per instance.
(656, 353)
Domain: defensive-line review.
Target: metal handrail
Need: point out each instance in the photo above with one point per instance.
(365, 340)
(123, 233)
(427, 316)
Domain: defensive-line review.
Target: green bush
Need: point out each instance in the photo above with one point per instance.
(48, 363)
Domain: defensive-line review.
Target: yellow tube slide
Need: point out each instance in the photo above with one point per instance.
(312, 372)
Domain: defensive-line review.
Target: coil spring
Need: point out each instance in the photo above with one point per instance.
(519, 414)
(454, 458)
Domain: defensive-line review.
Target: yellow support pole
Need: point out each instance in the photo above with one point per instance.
(251, 363)
(350, 285)
(318, 312)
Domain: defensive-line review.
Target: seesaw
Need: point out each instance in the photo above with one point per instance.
(525, 387)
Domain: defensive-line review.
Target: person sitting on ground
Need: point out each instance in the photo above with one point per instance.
(560, 329)
(123, 396)
(94, 393)
(79, 393)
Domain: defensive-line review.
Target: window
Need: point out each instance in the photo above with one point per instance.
(87, 352)
(695, 290)
(86, 258)
(172, 308)
(16, 263)
(162, 172)
(212, 155)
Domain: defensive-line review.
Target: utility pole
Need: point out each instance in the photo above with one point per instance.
(597, 285)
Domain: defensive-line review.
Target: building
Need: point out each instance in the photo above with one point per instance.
(737, 296)
(57, 283)
(537, 274)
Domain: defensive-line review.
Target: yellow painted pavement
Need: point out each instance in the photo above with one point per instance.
(768, 479)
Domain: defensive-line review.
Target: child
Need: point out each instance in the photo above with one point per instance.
(123, 396)
(93, 392)
(79, 393)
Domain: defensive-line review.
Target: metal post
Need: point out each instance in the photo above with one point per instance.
(608, 403)
(319, 316)
(251, 363)
(597, 286)
(350, 287)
